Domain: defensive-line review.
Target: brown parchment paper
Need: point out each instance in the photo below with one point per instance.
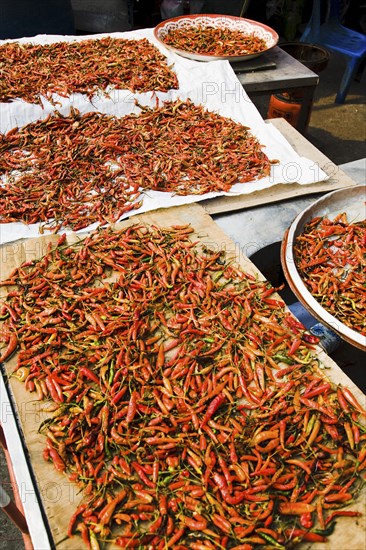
(60, 497)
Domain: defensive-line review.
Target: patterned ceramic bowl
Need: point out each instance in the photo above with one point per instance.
(226, 22)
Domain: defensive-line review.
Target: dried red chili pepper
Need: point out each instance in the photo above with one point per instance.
(31, 71)
(216, 41)
(209, 435)
(330, 257)
(80, 169)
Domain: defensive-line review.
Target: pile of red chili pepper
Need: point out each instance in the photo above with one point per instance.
(79, 169)
(330, 256)
(188, 404)
(30, 71)
(214, 41)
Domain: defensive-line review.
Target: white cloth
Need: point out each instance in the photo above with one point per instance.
(211, 84)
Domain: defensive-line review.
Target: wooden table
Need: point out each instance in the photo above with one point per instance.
(49, 483)
(277, 71)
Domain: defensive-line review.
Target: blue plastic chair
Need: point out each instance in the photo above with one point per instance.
(333, 35)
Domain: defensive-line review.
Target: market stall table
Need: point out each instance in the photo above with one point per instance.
(54, 498)
(52, 492)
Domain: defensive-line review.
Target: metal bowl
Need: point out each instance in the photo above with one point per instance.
(352, 202)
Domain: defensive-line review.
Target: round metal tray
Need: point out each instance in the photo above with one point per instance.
(352, 202)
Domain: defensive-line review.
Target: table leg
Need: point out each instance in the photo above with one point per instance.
(307, 101)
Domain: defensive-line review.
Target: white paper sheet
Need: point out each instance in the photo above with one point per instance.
(213, 85)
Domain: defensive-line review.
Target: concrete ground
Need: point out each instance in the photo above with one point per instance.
(338, 131)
